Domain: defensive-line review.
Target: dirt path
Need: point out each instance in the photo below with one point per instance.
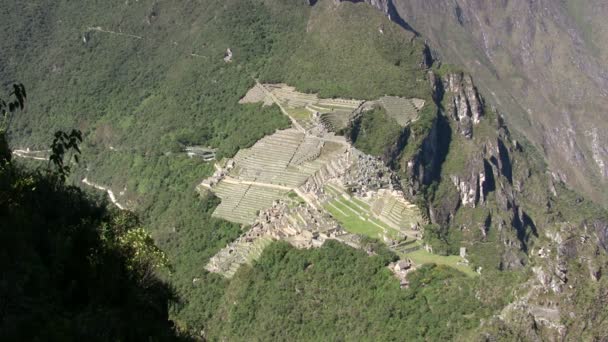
(26, 154)
(295, 123)
(99, 29)
(231, 180)
(109, 191)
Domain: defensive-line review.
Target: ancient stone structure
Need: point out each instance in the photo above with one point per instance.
(400, 269)
(228, 55)
(205, 153)
(278, 186)
(301, 225)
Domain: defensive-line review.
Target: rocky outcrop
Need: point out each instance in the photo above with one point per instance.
(228, 55)
(382, 5)
(465, 105)
(600, 229)
(539, 63)
(423, 167)
(388, 8)
(471, 188)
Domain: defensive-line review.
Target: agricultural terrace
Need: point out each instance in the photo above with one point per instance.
(241, 202)
(268, 170)
(228, 260)
(381, 216)
(404, 111)
(335, 113)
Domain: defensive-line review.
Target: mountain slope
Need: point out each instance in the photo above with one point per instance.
(541, 63)
(74, 269)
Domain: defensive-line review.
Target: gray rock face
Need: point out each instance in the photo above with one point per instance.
(601, 230)
(381, 5)
(388, 8)
(541, 64)
(476, 184)
(465, 106)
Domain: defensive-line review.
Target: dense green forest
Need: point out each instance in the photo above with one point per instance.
(72, 268)
(339, 293)
(374, 132)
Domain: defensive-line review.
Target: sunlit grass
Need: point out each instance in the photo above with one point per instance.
(421, 257)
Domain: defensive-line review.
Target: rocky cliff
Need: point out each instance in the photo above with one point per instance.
(540, 63)
(494, 195)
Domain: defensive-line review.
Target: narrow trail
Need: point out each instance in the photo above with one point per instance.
(295, 123)
(109, 191)
(99, 29)
(26, 154)
(231, 180)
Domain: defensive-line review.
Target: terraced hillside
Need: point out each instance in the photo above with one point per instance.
(287, 158)
(396, 211)
(268, 170)
(335, 112)
(384, 215)
(402, 110)
(242, 202)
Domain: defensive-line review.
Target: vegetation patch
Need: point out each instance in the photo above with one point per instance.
(422, 257)
(374, 132)
(326, 293)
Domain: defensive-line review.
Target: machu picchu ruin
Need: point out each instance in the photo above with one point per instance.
(305, 184)
(318, 115)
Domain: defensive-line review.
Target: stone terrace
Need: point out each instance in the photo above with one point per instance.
(241, 202)
(335, 113)
(268, 170)
(402, 110)
(393, 209)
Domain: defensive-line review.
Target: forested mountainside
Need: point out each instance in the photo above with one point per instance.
(543, 64)
(144, 80)
(73, 268)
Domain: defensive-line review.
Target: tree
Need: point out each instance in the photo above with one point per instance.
(72, 268)
(7, 109)
(62, 144)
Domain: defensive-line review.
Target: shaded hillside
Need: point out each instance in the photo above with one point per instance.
(74, 270)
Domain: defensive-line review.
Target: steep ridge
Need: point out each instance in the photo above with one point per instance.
(485, 189)
(540, 64)
(492, 186)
